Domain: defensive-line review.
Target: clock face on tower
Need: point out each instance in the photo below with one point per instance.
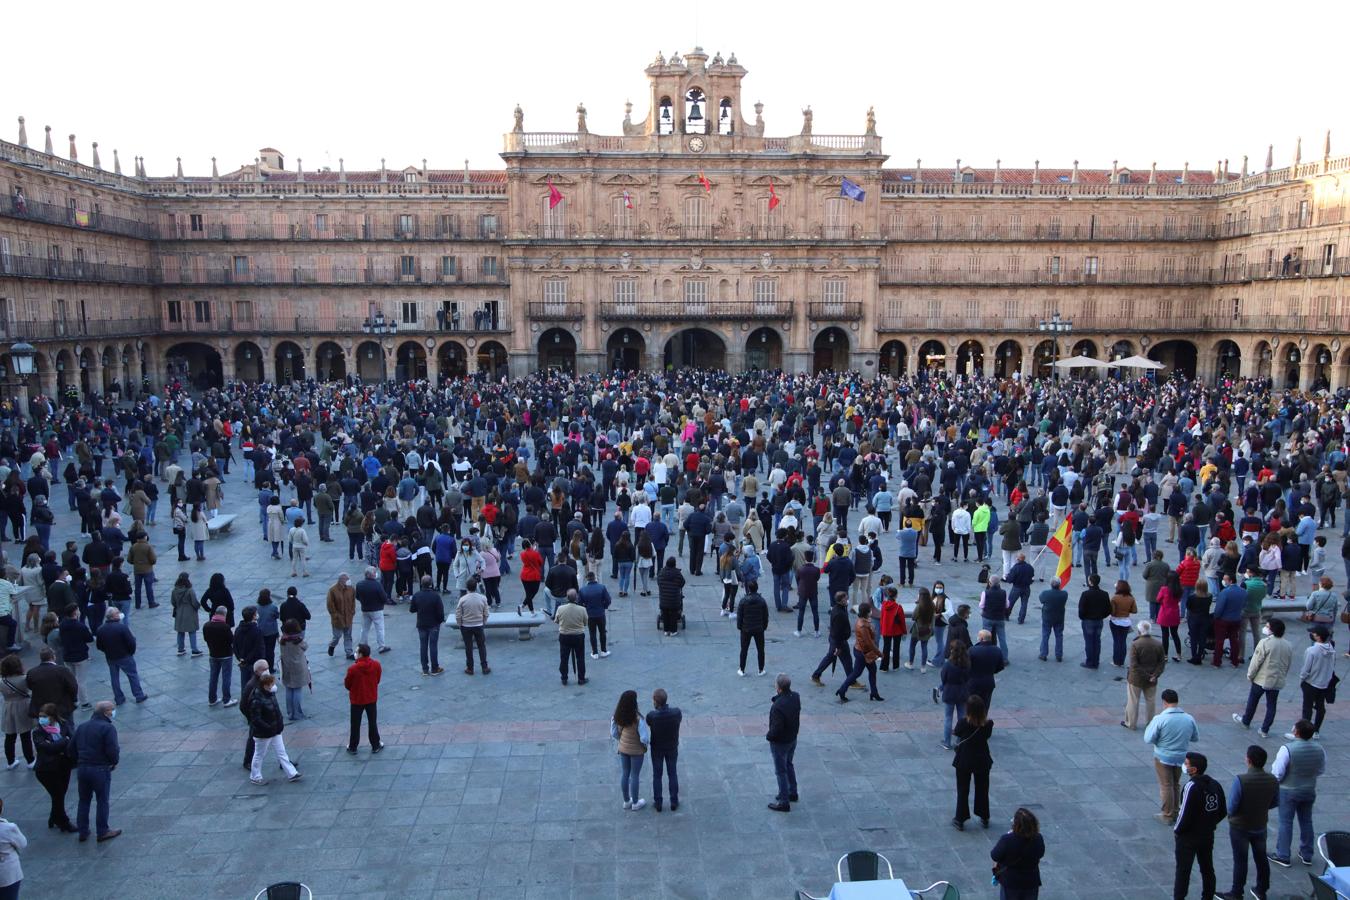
(696, 144)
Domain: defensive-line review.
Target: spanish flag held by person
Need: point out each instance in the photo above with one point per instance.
(1061, 544)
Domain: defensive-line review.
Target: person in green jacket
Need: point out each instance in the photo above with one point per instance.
(979, 526)
(1251, 610)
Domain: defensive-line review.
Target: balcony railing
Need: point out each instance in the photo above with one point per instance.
(304, 275)
(1078, 232)
(487, 324)
(1233, 273)
(1083, 324)
(545, 311)
(51, 214)
(825, 310)
(346, 231)
(712, 309)
(55, 329)
(71, 270)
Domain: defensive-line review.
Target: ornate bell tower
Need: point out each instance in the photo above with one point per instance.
(692, 95)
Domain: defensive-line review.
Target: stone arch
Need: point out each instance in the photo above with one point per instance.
(492, 360)
(893, 359)
(1321, 357)
(970, 358)
(290, 363)
(452, 361)
(1179, 356)
(830, 350)
(248, 363)
(1121, 349)
(370, 365)
(764, 349)
(195, 363)
(625, 350)
(87, 360)
(330, 362)
(410, 362)
(1008, 359)
(557, 350)
(110, 363)
(700, 348)
(1084, 347)
(1227, 359)
(1288, 358)
(932, 357)
(1043, 360)
(130, 381)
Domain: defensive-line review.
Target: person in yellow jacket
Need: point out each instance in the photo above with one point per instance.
(979, 526)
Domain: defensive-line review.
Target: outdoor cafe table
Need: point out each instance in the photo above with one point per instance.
(885, 889)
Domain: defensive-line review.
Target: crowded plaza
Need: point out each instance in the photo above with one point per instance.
(1148, 572)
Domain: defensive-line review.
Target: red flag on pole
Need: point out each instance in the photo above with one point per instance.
(773, 196)
(703, 180)
(627, 200)
(554, 195)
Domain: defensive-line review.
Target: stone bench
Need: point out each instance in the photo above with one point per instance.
(220, 525)
(1294, 607)
(522, 621)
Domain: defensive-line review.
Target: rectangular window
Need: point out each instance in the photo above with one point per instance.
(1132, 226)
(1012, 310)
(407, 225)
(555, 295)
(1090, 265)
(447, 225)
(836, 217)
(934, 310)
(555, 220)
(622, 217)
(696, 296)
(625, 295)
(1014, 265)
(195, 222)
(973, 264)
(1169, 227)
(1197, 226)
(409, 310)
(766, 294)
(1270, 260)
(241, 265)
(972, 310)
(834, 294)
(1169, 268)
(1054, 266)
(487, 227)
(243, 310)
(695, 216)
(407, 265)
(488, 266)
(1192, 267)
(976, 226)
(1056, 227)
(448, 266)
(1014, 226)
(1304, 214)
(201, 311)
(174, 311)
(1328, 258)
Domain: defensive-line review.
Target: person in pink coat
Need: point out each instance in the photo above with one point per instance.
(1169, 614)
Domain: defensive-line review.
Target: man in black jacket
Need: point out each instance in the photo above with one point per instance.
(1250, 799)
(220, 650)
(118, 644)
(1202, 809)
(752, 617)
(1094, 606)
(664, 723)
(49, 683)
(561, 578)
(840, 631)
(780, 564)
(372, 598)
(430, 610)
(785, 717)
(697, 526)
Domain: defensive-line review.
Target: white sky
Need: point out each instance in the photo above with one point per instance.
(1055, 81)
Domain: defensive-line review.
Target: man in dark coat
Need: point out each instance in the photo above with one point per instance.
(697, 526)
(785, 717)
(752, 618)
(986, 660)
(670, 600)
(664, 723)
(841, 629)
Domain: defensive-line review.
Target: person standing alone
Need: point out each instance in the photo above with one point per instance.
(363, 690)
(785, 716)
(1170, 733)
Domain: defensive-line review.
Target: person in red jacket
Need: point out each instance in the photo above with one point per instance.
(893, 629)
(388, 562)
(363, 689)
(531, 571)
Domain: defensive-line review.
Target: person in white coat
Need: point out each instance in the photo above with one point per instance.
(12, 843)
(298, 538)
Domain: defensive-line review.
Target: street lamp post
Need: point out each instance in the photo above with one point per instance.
(1055, 326)
(22, 362)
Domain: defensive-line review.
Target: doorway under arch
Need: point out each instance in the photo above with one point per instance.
(1043, 360)
(452, 361)
(195, 363)
(1179, 357)
(1290, 358)
(558, 350)
(331, 362)
(696, 348)
(370, 362)
(830, 351)
(764, 349)
(1008, 359)
(624, 350)
(932, 357)
(290, 363)
(411, 362)
(492, 360)
(248, 363)
(1228, 359)
(970, 358)
(893, 358)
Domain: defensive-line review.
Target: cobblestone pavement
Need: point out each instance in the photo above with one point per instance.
(506, 786)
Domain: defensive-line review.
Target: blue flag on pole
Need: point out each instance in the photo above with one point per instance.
(852, 191)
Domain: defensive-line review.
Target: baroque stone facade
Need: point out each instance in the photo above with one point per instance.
(690, 237)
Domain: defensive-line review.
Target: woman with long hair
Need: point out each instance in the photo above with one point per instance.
(217, 595)
(726, 573)
(1017, 858)
(18, 724)
(925, 614)
(955, 689)
(1123, 607)
(185, 608)
(973, 761)
(625, 555)
(1169, 613)
(629, 730)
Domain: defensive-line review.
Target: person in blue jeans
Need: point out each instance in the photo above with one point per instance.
(785, 716)
(994, 609)
(663, 723)
(1298, 764)
(955, 688)
(1053, 601)
(118, 644)
(1094, 607)
(1250, 798)
(631, 735)
(96, 755)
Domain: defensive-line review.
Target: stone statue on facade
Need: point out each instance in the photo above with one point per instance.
(520, 119)
(806, 120)
(871, 121)
(581, 118)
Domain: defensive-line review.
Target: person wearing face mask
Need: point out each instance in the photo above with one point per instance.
(265, 725)
(1267, 671)
(96, 755)
(466, 564)
(941, 610)
(1202, 808)
(52, 742)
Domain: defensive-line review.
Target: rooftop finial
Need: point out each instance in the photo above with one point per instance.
(299, 169)
(1298, 150)
(424, 167)
(214, 172)
(23, 133)
(48, 147)
(180, 167)
(96, 163)
(117, 163)
(520, 120)
(342, 172)
(1326, 145)
(1270, 157)
(998, 171)
(1036, 173)
(1074, 179)
(1153, 173)
(1244, 165)
(1185, 171)
(74, 154)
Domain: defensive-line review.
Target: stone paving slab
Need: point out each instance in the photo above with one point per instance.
(505, 786)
